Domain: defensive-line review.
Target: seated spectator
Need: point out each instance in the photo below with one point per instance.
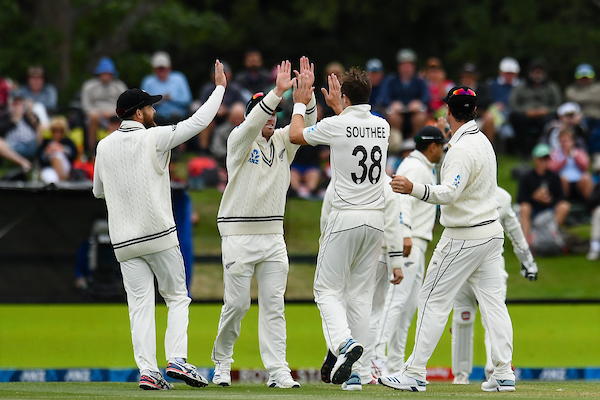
(323, 109)
(172, 85)
(500, 89)
(306, 171)
(585, 91)
(438, 85)
(6, 85)
(98, 98)
(469, 76)
(218, 146)
(20, 128)
(56, 155)
(234, 94)
(572, 165)
(374, 69)
(406, 96)
(533, 104)
(541, 189)
(254, 78)
(38, 90)
(569, 118)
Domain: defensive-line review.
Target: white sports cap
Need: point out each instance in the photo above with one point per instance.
(161, 59)
(568, 108)
(509, 64)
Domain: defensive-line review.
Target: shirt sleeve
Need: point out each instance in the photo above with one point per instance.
(97, 186)
(320, 133)
(167, 139)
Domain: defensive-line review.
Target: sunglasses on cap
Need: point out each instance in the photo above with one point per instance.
(463, 92)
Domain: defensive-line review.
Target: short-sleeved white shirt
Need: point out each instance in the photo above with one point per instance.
(358, 141)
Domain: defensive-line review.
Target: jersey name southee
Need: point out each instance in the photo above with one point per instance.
(366, 132)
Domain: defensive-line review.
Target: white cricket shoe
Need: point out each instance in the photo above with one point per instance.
(354, 383)
(400, 381)
(461, 379)
(498, 385)
(285, 381)
(222, 374)
(379, 368)
(185, 372)
(349, 354)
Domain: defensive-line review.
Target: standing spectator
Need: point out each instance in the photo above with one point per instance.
(585, 91)
(250, 221)
(572, 165)
(20, 128)
(469, 77)
(350, 246)
(56, 155)
(500, 89)
(533, 104)
(406, 96)
(539, 190)
(38, 90)
(469, 251)
(132, 164)
(374, 68)
(254, 78)
(98, 98)
(172, 85)
(438, 85)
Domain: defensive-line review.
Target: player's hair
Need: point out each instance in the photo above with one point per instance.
(356, 85)
(422, 145)
(463, 116)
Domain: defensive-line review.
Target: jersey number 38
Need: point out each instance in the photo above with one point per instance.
(369, 167)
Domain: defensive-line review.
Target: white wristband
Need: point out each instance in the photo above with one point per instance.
(299, 108)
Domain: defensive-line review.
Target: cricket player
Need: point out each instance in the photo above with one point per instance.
(250, 221)
(132, 174)
(465, 303)
(349, 249)
(389, 271)
(418, 219)
(470, 249)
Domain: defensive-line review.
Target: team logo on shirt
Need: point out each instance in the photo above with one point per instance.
(312, 128)
(254, 157)
(456, 181)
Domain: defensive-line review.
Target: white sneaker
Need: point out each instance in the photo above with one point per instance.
(400, 381)
(185, 372)
(461, 379)
(354, 383)
(222, 375)
(379, 368)
(349, 354)
(285, 381)
(498, 385)
(593, 255)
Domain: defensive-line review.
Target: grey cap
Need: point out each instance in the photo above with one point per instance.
(406, 55)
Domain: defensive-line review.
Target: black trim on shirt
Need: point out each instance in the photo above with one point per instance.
(250, 219)
(144, 238)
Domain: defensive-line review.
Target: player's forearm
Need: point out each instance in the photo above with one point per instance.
(435, 194)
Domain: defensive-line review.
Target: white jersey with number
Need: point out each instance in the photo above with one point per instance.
(358, 141)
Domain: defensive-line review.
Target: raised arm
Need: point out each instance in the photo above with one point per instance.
(333, 98)
(303, 93)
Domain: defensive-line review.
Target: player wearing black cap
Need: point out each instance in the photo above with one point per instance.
(470, 249)
(250, 221)
(132, 174)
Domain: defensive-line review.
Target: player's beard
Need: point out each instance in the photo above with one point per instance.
(148, 120)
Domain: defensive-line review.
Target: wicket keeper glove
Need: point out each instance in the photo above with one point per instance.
(529, 267)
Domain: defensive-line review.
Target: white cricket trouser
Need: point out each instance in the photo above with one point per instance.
(138, 279)
(455, 262)
(595, 224)
(264, 256)
(345, 275)
(463, 319)
(400, 307)
(382, 280)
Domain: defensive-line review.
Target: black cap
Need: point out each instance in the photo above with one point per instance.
(254, 101)
(133, 99)
(461, 98)
(430, 134)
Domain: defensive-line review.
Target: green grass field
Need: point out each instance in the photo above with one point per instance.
(97, 336)
(528, 390)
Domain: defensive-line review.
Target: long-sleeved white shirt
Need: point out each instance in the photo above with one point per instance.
(132, 174)
(259, 173)
(417, 217)
(468, 189)
(512, 226)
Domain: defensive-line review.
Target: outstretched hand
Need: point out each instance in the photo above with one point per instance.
(333, 98)
(220, 79)
(307, 68)
(284, 79)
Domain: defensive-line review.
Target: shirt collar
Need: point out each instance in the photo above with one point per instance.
(466, 128)
(131, 124)
(419, 155)
(358, 107)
